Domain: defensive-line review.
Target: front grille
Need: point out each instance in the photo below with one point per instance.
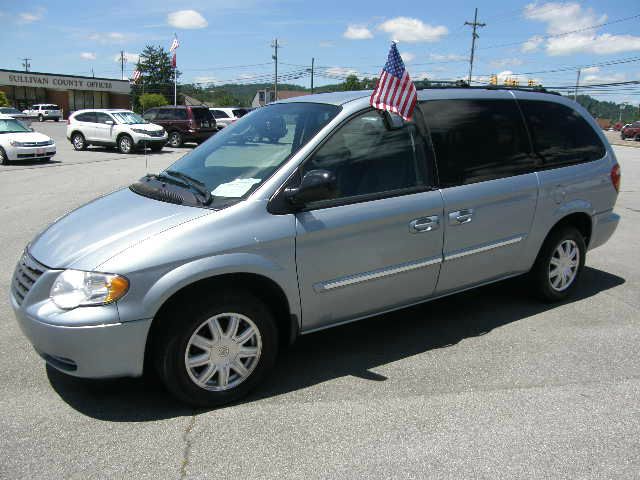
(26, 275)
(35, 155)
(44, 143)
(156, 133)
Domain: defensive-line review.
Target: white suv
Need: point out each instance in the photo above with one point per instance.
(225, 116)
(45, 111)
(123, 129)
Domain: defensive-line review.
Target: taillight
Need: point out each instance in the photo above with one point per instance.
(615, 177)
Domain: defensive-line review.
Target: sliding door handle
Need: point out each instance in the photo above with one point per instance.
(424, 224)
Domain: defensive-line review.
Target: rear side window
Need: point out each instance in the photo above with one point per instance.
(201, 114)
(86, 117)
(150, 115)
(219, 114)
(561, 135)
(168, 114)
(477, 140)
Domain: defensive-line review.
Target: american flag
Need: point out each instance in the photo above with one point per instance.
(395, 91)
(174, 45)
(137, 74)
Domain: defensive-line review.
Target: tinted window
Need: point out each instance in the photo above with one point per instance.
(50, 107)
(168, 114)
(86, 117)
(150, 115)
(367, 158)
(560, 135)
(219, 114)
(477, 140)
(103, 117)
(201, 114)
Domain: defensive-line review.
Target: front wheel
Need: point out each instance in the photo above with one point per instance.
(125, 144)
(78, 141)
(4, 160)
(215, 354)
(559, 264)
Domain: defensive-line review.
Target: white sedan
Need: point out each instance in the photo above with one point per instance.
(18, 142)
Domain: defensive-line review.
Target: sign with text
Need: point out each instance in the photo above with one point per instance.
(59, 82)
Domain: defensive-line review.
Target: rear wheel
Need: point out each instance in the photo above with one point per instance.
(559, 264)
(216, 353)
(125, 144)
(175, 139)
(40, 118)
(56, 119)
(638, 138)
(78, 141)
(4, 160)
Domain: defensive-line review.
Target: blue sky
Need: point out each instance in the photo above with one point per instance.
(230, 40)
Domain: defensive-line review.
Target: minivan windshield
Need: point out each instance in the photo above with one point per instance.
(128, 118)
(234, 162)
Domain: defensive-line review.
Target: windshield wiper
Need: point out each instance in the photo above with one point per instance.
(194, 183)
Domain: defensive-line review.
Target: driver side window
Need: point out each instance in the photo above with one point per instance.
(367, 158)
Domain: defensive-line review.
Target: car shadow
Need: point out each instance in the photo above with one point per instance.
(352, 349)
(33, 162)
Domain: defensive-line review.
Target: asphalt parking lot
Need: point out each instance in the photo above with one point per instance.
(485, 384)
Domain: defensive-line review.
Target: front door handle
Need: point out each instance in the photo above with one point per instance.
(424, 224)
(460, 217)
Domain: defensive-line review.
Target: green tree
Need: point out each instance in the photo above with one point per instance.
(352, 83)
(157, 73)
(3, 99)
(151, 100)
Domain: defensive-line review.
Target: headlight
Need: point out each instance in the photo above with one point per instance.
(14, 143)
(49, 142)
(140, 131)
(74, 288)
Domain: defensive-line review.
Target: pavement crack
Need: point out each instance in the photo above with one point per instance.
(188, 443)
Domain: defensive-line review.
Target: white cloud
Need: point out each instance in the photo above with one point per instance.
(357, 32)
(590, 70)
(421, 76)
(341, 72)
(187, 19)
(34, 16)
(532, 44)
(207, 79)
(505, 62)
(131, 58)
(110, 37)
(405, 29)
(88, 56)
(615, 77)
(504, 75)
(565, 17)
(448, 57)
(407, 56)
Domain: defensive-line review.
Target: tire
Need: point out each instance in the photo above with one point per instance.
(156, 148)
(40, 118)
(175, 344)
(4, 160)
(56, 119)
(552, 288)
(78, 141)
(125, 144)
(175, 139)
(637, 139)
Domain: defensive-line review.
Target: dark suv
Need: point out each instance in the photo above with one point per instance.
(631, 131)
(183, 123)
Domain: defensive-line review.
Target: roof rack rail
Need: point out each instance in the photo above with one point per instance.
(427, 84)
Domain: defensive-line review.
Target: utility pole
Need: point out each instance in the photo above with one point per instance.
(312, 62)
(475, 24)
(93, 74)
(122, 60)
(575, 94)
(275, 58)
(26, 64)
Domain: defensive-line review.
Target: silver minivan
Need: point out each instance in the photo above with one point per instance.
(311, 213)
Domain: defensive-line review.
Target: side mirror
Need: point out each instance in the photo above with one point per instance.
(316, 185)
(392, 121)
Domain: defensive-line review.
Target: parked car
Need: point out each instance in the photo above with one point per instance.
(631, 131)
(18, 142)
(111, 127)
(184, 123)
(18, 115)
(225, 116)
(209, 267)
(45, 111)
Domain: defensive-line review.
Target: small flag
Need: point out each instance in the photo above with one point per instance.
(137, 74)
(173, 60)
(395, 92)
(175, 44)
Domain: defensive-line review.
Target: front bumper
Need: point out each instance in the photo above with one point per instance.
(92, 351)
(31, 153)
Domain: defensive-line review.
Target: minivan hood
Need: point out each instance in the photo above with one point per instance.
(95, 232)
